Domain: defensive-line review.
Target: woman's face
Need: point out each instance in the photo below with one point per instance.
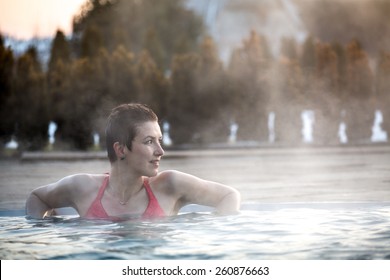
(146, 152)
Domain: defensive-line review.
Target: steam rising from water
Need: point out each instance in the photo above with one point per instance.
(229, 22)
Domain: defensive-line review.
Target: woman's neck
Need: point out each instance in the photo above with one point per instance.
(124, 185)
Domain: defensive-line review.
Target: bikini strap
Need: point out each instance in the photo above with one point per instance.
(103, 187)
(153, 209)
(149, 189)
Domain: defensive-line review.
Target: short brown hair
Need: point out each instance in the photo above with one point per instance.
(122, 125)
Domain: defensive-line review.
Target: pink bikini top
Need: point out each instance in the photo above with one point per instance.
(97, 211)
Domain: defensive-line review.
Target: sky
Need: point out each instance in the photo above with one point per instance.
(25, 19)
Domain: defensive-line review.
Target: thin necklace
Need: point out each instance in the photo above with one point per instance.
(114, 194)
(122, 202)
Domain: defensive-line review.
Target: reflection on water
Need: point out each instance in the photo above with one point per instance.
(274, 231)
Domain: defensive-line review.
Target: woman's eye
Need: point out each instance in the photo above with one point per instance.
(152, 141)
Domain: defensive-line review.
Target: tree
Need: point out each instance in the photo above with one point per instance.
(91, 42)
(30, 102)
(152, 45)
(183, 118)
(341, 69)
(142, 37)
(6, 77)
(88, 90)
(359, 74)
(59, 89)
(58, 78)
(162, 27)
(199, 96)
(366, 20)
(383, 89)
(102, 20)
(308, 58)
(326, 99)
(290, 101)
(123, 83)
(248, 72)
(60, 50)
(152, 87)
(360, 111)
(214, 118)
(288, 48)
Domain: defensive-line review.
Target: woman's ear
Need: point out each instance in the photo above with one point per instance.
(119, 150)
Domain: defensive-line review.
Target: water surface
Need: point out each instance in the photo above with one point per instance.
(261, 231)
(298, 203)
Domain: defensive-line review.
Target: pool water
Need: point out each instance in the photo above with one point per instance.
(270, 231)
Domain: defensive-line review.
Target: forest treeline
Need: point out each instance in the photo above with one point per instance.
(159, 53)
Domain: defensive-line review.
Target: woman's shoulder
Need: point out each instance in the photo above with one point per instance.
(170, 181)
(163, 181)
(84, 181)
(84, 187)
(174, 176)
(166, 177)
(84, 178)
(167, 191)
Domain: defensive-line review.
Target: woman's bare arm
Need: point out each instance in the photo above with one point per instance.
(64, 193)
(193, 190)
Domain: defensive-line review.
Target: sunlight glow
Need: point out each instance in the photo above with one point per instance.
(25, 19)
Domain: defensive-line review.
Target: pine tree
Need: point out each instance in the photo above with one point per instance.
(341, 71)
(308, 63)
(59, 88)
(30, 102)
(214, 123)
(326, 95)
(183, 117)
(6, 77)
(248, 72)
(383, 89)
(152, 87)
(89, 88)
(58, 81)
(91, 42)
(162, 27)
(288, 48)
(152, 44)
(123, 84)
(308, 58)
(60, 50)
(360, 111)
(290, 102)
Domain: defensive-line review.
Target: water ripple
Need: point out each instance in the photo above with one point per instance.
(293, 233)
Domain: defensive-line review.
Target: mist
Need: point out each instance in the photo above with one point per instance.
(320, 113)
(286, 72)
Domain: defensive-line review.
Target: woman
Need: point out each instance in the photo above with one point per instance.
(134, 187)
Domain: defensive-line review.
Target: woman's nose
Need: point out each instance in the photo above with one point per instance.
(159, 150)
